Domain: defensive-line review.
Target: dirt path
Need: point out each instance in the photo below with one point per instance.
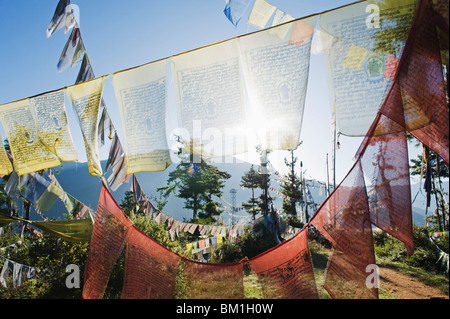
(402, 286)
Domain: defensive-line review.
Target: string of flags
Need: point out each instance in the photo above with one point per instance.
(18, 271)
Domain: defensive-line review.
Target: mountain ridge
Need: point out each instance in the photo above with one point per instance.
(75, 179)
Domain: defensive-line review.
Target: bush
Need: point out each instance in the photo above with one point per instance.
(50, 255)
(250, 245)
(388, 249)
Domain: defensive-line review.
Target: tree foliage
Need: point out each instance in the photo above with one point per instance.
(252, 180)
(198, 184)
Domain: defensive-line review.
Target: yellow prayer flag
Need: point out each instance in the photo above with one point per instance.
(5, 164)
(355, 57)
(86, 98)
(189, 246)
(51, 121)
(29, 153)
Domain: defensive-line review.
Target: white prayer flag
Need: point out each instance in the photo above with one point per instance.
(261, 13)
(210, 99)
(276, 73)
(141, 95)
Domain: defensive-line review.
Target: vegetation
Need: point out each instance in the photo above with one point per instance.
(252, 180)
(51, 255)
(197, 182)
(292, 189)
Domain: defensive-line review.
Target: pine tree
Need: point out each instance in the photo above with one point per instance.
(197, 182)
(292, 190)
(252, 180)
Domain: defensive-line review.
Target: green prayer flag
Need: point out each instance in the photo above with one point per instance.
(75, 230)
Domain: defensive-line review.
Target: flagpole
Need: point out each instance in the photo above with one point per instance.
(333, 125)
(328, 178)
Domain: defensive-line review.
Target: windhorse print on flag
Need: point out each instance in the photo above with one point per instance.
(141, 94)
(86, 98)
(276, 67)
(368, 39)
(210, 100)
(27, 149)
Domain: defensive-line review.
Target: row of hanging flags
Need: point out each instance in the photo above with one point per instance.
(51, 136)
(269, 68)
(375, 192)
(175, 227)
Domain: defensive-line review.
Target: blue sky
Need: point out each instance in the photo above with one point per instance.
(123, 34)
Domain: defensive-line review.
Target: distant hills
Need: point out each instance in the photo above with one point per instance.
(75, 179)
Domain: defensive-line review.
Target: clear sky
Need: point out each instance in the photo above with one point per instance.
(123, 34)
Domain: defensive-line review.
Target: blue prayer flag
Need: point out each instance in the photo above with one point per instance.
(234, 10)
(36, 188)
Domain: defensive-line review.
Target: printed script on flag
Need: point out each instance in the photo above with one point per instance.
(141, 95)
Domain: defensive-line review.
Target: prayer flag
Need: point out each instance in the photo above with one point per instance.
(261, 13)
(287, 271)
(74, 230)
(12, 186)
(49, 197)
(211, 281)
(5, 164)
(86, 73)
(302, 32)
(63, 17)
(141, 95)
(234, 10)
(29, 153)
(115, 153)
(391, 67)
(36, 188)
(321, 42)
(150, 268)
(86, 98)
(355, 57)
(73, 50)
(276, 77)
(139, 195)
(102, 125)
(210, 100)
(51, 121)
(107, 242)
(344, 219)
(280, 17)
(119, 175)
